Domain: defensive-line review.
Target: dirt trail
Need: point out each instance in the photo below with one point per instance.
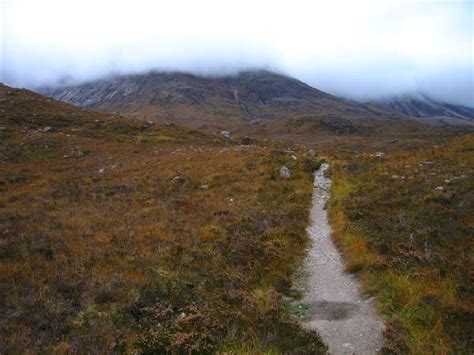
(334, 306)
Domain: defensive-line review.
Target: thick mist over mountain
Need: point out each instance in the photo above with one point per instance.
(377, 50)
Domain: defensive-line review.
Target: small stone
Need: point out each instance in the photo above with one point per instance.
(379, 154)
(101, 171)
(79, 154)
(294, 157)
(285, 172)
(204, 187)
(225, 134)
(47, 129)
(439, 188)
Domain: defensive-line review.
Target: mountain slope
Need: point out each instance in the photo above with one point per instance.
(213, 102)
(421, 106)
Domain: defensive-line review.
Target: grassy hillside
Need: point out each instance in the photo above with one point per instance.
(121, 236)
(404, 222)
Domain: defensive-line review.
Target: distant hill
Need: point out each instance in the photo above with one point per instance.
(421, 106)
(229, 102)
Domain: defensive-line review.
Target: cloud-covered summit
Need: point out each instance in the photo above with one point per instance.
(362, 50)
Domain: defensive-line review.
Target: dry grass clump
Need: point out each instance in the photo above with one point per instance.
(404, 222)
(121, 236)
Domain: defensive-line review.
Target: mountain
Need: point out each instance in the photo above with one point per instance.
(422, 106)
(227, 102)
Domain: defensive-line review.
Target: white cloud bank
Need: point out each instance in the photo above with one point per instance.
(359, 49)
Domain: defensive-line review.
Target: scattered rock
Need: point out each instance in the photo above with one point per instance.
(285, 172)
(294, 157)
(204, 187)
(246, 141)
(439, 188)
(80, 153)
(178, 179)
(379, 154)
(311, 153)
(47, 129)
(225, 134)
(101, 170)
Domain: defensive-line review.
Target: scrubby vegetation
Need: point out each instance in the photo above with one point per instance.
(404, 222)
(123, 236)
(120, 236)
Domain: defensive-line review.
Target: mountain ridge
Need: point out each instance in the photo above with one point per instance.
(247, 98)
(419, 105)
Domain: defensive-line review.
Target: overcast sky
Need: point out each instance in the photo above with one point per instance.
(356, 48)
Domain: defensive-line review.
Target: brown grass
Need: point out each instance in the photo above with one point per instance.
(411, 243)
(182, 243)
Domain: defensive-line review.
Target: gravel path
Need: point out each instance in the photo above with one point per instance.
(332, 302)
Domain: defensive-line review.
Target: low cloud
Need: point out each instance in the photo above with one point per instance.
(361, 50)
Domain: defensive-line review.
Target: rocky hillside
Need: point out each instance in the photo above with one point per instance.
(214, 102)
(421, 106)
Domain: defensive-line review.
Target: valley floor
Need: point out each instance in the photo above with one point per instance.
(123, 236)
